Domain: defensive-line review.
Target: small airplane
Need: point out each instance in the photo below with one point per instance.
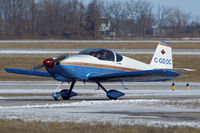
(103, 65)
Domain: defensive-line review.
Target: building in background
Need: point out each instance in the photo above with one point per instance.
(105, 28)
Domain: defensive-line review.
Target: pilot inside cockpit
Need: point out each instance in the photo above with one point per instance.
(103, 55)
(99, 53)
(92, 54)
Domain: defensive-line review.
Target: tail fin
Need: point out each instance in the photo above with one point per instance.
(162, 58)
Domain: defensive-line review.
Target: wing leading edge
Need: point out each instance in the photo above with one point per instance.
(138, 76)
(28, 72)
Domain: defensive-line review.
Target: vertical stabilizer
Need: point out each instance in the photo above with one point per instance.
(162, 58)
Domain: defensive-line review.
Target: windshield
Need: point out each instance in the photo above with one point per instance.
(101, 54)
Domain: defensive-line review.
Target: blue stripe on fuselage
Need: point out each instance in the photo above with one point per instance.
(76, 72)
(81, 72)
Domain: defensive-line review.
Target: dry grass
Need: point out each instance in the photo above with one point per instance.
(18, 126)
(63, 45)
(28, 61)
(19, 61)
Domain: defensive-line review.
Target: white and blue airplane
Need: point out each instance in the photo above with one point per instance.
(102, 65)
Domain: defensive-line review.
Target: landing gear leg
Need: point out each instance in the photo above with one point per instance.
(122, 82)
(56, 94)
(111, 94)
(66, 94)
(101, 86)
(71, 87)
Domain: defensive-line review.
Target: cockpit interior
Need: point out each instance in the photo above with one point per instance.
(102, 54)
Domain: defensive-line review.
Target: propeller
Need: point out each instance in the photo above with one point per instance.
(60, 58)
(37, 67)
(50, 62)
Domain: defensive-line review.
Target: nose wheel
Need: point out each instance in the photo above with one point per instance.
(64, 94)
(56, 96)
(67, 94)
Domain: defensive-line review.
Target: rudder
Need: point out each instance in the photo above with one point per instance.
(162, 58)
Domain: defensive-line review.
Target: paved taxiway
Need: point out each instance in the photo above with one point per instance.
(145, 103)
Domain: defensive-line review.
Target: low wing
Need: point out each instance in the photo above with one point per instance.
(28, 72)
(147, 75)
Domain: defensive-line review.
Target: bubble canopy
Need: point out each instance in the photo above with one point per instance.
(102, 54)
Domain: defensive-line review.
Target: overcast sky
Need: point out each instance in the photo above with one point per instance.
(188, 6)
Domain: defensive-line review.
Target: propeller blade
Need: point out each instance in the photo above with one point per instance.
(37, 67)
(60, 58)
(49, 63)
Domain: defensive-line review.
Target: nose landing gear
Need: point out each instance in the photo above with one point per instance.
(64, 94)
(56, 96)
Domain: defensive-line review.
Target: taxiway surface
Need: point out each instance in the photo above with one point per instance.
(144, 103)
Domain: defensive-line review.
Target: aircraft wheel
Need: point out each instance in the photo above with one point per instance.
(110, 98)
(56, 96)
(64, 94)
(57, 99)
(66, 98)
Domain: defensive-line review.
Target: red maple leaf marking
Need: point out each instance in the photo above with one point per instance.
(163, 51)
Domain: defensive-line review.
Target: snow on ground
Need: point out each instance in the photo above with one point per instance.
(89, 91)
(152, 104)
(131, 112)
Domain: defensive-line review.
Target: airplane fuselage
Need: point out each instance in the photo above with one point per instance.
(82, 66)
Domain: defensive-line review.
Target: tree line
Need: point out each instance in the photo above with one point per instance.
(74, 19)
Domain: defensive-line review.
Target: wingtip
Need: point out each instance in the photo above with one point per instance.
(190, 70)
(184, 69)
(7, 69)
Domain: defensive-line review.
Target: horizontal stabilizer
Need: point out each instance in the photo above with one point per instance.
(27, 72)
(184, 69)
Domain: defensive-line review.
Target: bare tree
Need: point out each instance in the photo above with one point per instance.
(177, 20)
(75, 19)
(1, 19)
(162, 17)
(92, 19)
(131, 14)
(144, 16)
(105, 9)
(118, 14)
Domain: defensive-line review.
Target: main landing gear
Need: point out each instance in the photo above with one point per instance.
(64, 94)
(111, 94)
(67, 94)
